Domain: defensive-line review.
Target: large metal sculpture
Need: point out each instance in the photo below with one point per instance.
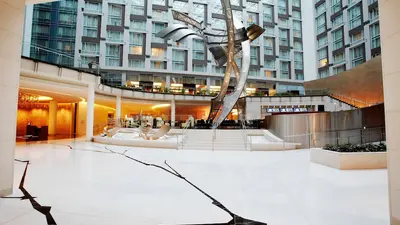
(223, 47)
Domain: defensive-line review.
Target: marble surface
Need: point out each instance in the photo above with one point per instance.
(88, 185)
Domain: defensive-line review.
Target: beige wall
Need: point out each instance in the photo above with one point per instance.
(100, 118)
(40, 117)
(390, 41)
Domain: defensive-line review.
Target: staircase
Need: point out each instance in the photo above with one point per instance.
(226, 140)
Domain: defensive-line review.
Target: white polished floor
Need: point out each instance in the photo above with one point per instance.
(279, 188)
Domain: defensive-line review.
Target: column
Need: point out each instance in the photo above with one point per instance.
(118, 109)
(11, 26)
(123, 78)
(168, 81)
(173, 113)
(208, 84)
(52, 117)
(90, 113)
(390, 39)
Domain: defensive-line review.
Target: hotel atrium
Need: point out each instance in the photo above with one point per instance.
(199, 112)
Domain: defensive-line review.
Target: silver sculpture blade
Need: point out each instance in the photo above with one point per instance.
(224, 47)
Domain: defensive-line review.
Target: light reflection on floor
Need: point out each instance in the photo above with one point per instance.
(85, 186)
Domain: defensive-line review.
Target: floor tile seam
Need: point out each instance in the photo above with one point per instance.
(24, 214)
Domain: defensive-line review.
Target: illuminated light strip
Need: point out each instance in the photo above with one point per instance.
(161, 106)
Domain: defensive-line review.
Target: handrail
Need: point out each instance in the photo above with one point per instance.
(62, 54)
(245, 134)
(184, 132)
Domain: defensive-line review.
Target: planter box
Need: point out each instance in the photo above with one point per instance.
(349, 161)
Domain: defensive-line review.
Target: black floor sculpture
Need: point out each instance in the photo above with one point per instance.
(236, 220)
(45, 210)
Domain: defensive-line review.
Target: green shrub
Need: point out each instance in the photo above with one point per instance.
(356, 148)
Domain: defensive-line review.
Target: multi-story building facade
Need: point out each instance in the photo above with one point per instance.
(347, 34)
(49, 33)
(119, 36)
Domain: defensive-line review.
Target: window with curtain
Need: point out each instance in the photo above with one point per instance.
(357, 55)
(296, 15)
(337, 37)
(321, 23)
(269, 64)
(322, 41)
(93, 7)
(116, 36)
(297, 29)
(296, 3)
(298, 45)
(323, 73)
(284, 66)
(90, 48)
(159, 14)
(339, 69)
(357, 37)
(354, 15)
(299, 76)
(160, 65)
(157, 27)
(268, 13)
(337, 21)
(298, 60)
(284, 54)
(322, 57)
(138, 25)
(158, 53)
(138, 7)
(67, 18)
(269, 31)
(136, 63)
(199, 68)
(283, 37)
(178, 60)
(198, 49)
(336, 6)
(339, 58)
(252, 18)
(282, 7)
(268, 46)
(115, 15)
(373, 13)
(253, 56)
(375, 36)
(113, 55)
(90, 26)
(320, 9)
(136, 43)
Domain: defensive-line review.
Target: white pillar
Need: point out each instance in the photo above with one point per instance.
(208, 84)
(390, 40)
(90, 113)
(173, 113)
(52, 117)
(11, 25)
(118, 109)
